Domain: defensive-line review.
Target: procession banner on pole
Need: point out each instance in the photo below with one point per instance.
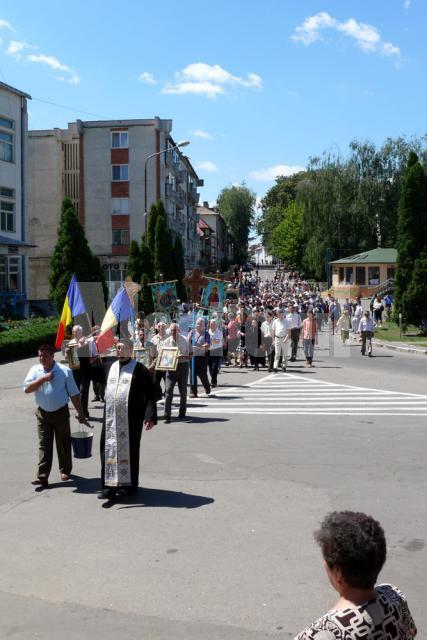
(214, 294)
(164, 296)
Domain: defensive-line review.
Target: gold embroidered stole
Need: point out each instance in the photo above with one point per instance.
(116, 452)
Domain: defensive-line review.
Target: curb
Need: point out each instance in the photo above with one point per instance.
(397, 347)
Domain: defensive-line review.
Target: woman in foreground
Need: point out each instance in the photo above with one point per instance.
(354, 551)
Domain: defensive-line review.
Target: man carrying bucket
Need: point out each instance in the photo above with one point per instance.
(130, 405)
(53, 385)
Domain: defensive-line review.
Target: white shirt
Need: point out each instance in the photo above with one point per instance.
(181, 343)
(267, 328)
(281, 327)
(216, 339)
(295, 320)
(366, 324)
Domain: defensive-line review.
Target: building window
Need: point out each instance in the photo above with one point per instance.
(115, 275)
(120, 237)
(6, 192)
(360, 276)
(349, 275)
(10, 274)
(119, 140)
(120, 172)
(120, 206)
(373, 275)
(7, 216)
(6, 139)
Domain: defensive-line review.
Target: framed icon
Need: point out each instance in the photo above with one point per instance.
(72, 357)
(142, 355)
(167, 359)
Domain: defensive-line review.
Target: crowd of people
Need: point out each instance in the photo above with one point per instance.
(268, 321)
(264, 327)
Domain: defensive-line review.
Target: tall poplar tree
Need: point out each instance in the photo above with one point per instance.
(71, 255)
(163, 261)
(134, 269)
(178, 258)
(411, 235)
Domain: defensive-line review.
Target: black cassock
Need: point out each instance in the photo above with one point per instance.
(141, 407)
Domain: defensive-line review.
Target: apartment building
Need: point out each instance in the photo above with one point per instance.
(221, 243)
(13, 167)
(112, 171)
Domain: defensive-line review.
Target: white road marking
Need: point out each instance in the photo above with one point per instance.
(290, 394)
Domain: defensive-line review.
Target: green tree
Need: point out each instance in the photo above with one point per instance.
(287, 238)
(163, 260)
(150, 236)
(415, 298)
(134, 267)
(274, 205)
(72, 254)
(146, 295)
(179, 264)
(411, 237)
(147, 260)
(237, 206)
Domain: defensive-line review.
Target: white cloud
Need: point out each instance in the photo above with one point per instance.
(148, 78)
(271, 173)
(199, 133)
(207, 165)
(206, 88)
(51, 61)
(15, 47)
(366, 36)
(73, 80)
(407, 4)
(4, 24)
(56, 65)
(209, 80)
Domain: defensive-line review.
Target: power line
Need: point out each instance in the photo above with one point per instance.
(63, 106)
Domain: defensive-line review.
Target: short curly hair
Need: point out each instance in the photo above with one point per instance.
(355, 543)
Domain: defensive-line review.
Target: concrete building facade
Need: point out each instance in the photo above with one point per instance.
(221, 243)
(13, 200)
(104, 166)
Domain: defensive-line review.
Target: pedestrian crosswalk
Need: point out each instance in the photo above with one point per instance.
(290, 394)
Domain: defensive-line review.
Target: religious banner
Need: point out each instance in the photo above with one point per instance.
(213, 295)
(194, 282)
(164, 296)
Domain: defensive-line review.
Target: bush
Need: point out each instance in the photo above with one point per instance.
(23, 337)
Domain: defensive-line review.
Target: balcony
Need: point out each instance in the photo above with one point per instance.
(180, 199)
(169, 190)
(194, 195)
(181, 176)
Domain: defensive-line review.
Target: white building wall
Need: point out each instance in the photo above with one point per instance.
(11, 172)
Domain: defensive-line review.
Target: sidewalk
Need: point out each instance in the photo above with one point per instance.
(404, 347)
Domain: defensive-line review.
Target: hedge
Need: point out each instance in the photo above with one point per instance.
(21, 339)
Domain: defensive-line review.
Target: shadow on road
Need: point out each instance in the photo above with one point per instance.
(162, 498)
(199, 420)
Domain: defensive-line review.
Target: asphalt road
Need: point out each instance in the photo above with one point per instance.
(218, 543)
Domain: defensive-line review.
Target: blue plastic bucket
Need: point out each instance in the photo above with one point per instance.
(81, 442)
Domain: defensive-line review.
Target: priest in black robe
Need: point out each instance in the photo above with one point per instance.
(130, 405)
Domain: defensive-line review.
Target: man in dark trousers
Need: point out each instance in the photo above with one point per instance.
(130, 405)
(53, 385)
(199, 345)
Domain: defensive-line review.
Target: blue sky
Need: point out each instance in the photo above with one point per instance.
(257, 87)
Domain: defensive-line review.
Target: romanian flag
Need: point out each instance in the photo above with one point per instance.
(120, 310)
(73, 306)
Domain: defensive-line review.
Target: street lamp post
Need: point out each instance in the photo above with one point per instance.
(183, 143)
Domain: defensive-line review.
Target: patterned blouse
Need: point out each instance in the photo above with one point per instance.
(387, 617)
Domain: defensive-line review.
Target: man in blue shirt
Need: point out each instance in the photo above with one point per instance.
(53, 384)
